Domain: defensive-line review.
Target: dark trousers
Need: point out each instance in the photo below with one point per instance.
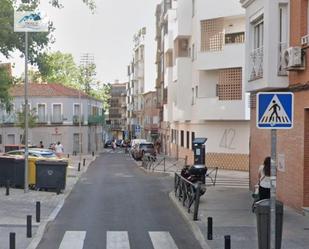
(264, 193)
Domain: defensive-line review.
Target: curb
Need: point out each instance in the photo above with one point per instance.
(193, 226)
(43, 226)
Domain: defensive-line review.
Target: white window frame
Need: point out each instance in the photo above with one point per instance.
(61, 108)
(37, 110)
(80, 106)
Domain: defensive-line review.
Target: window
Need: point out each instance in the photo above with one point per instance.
(193, 8)
(57, 113)
(182, 138)
(0, 139)
(192, 138)
(192, 101)
(42, 113)
(193, 52)
(76, 110)
(258, 33)
(196, 91)
(188, 140)
(11, 139)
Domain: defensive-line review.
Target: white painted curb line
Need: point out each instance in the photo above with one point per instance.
(42, 227)
(188, 218)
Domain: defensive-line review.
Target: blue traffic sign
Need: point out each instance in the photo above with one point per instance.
(137, 129)
(274, 110)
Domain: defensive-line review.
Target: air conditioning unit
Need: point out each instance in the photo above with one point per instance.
(293, 59)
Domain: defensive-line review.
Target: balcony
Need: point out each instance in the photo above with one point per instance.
(8, 119)
(77, 119)
(42, 119)
(215, 109)
(56, 119)
(96, 120)
(231, 55)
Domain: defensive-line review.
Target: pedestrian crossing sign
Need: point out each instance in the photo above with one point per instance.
(274, 110)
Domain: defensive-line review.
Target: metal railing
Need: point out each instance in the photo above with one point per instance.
(168, 164)
(147, 161)
(256, 64)
(188, 193)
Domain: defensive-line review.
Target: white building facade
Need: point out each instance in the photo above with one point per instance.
(204, 54)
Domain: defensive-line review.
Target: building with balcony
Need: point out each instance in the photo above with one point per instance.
(150, 114)
(204, 49)
(275, 29)
(136, 85)
(117, 111)
(62, 114)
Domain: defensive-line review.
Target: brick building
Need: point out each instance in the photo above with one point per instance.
(272, 28)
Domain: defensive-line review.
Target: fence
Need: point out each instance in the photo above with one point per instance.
(188, 193)
(165, 164)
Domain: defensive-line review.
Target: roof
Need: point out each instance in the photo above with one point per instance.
(46, 90)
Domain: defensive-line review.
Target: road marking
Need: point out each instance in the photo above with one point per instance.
(117, 240)
(162, 240)
(73, 240)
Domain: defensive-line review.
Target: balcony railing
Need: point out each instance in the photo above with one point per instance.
(42, 119)
(77, 119)
(96, 120)
(281, 64)
(256, 64)
(8, 119)
(56, 119)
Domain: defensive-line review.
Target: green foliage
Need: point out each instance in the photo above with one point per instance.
(103, 93)
(5, 84)
(58, 68)
(32, 118)
(86, 77)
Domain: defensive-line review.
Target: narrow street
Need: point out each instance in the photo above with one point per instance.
(115, 205)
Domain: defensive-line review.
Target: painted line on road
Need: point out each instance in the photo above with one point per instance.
(117, 240)
(73, 240)
(162, 240)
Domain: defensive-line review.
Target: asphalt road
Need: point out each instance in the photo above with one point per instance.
(115, 205)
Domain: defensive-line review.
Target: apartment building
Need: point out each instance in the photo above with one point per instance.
(136, 85)
(276, 60)
(62, 114)
(203, 46)
(150, 115)
(117, 111)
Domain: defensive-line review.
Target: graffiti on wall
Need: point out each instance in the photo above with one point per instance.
(227, 139)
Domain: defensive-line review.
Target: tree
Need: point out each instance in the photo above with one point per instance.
(5, 84)
(86, 77)
(103, 93)
(58, 68)
(32, 118)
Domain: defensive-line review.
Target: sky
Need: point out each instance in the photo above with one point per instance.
(107, 34)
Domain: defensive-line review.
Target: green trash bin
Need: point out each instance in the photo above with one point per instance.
(262, 211)
(51, 174)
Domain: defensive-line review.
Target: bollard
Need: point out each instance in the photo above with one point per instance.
(7, 192)
(227, 242)
(164, 164)
(29, 226)
(84, 162)
(68, 155)
(38, 211)
(197, 201)
(12, 241)
(209, 228)
(79, 166)
(92, 153)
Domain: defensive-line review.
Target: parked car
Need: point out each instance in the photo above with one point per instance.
(137, 141)
(119, 142)
(108, 144)
(139, 150)
(34, 152)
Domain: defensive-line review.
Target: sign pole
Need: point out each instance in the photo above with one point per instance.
(26, 187)
(273, 176)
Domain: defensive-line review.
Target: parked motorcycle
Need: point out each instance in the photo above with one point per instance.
(194, 174)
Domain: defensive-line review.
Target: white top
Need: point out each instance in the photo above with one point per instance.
(264, 180)
(59, 148)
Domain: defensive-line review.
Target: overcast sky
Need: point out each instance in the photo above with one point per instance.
(107, 34)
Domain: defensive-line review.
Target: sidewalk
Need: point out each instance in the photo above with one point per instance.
(16, 206)
(230, 208)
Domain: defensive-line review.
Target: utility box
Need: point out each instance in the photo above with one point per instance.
(262, 211)
(198, 146)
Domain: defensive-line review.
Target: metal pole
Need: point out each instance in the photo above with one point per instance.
(26, 187)
(273, 175)
(80, 126)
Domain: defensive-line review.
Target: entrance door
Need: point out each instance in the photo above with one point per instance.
(76, 142)
(306, 159)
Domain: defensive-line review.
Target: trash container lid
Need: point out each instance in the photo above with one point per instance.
(262, 206)
(51, 162)
(200, 140)
(198, 166)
